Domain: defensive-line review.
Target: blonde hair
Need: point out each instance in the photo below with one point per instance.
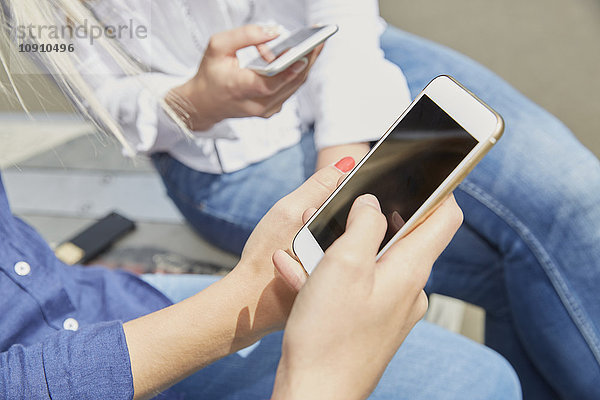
(63, 66)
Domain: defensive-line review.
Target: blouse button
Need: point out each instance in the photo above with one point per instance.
(71, 324)
(22, 268)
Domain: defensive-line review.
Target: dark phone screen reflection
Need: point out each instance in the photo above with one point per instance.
(405, 170)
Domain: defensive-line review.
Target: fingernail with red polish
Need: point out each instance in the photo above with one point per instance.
(345, 164)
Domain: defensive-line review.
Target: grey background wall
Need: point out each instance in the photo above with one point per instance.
(548, 49)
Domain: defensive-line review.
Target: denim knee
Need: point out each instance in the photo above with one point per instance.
(503, 383)
(436, 364)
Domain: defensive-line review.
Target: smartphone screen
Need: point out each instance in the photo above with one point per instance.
(403, 172)
(282, 47)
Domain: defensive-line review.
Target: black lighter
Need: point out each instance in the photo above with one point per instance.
(92, 241)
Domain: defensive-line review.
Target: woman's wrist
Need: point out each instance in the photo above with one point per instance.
(285, 386)
(193, 333)
(268, 299)
(190, 103)
(308, 383)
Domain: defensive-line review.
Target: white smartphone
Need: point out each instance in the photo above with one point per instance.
(417, 163)
(292, 49)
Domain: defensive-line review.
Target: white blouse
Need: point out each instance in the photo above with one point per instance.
(352, 95)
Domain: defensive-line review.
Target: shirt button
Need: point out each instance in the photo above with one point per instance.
(22, 268)
(71, 324)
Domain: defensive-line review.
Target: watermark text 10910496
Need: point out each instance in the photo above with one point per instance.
(46, 48)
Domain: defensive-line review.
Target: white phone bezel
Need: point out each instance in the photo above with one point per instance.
(479, 120)
(295, 53)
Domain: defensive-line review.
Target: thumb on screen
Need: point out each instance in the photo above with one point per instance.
(228, 42)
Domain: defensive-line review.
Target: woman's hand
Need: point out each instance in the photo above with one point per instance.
(234, 312)
(358, 307)
(354, 311)
(256, 274)
(222, 89)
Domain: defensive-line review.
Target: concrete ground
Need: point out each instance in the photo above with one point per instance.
(547, 49)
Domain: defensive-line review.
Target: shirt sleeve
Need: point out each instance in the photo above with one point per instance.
(132, 101)
(353, 92)
(92, 363)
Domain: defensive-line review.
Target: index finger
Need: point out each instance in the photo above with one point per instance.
(319, 186)
(228, 42)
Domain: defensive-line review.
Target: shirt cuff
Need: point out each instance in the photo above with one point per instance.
(358, 130)
(155, 129)
(158, 131)
(90, 363)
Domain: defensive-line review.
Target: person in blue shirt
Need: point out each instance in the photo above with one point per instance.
(73, 332)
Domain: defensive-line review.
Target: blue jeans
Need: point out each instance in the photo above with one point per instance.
(431, 364)
(528, 252)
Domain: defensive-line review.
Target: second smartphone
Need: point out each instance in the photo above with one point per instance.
(292, 49)
(417, 163)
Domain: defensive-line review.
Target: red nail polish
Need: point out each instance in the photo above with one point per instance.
(345, 164)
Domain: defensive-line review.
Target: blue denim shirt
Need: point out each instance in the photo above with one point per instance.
(61, 327)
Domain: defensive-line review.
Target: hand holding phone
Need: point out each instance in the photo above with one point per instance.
(434, 144)
(355, 304)
(223, 89)
(284, 54)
